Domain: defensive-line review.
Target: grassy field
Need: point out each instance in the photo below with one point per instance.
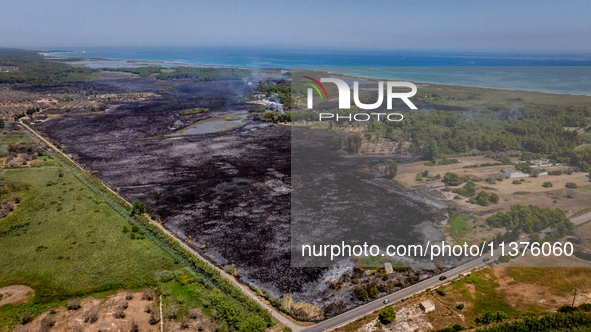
(64, 241)
(7, 139)
(458, 227)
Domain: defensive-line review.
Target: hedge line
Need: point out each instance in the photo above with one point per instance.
(541, 324)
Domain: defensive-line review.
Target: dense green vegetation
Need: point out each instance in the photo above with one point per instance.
(532, 219)
(566, 322)
(282, 91)
(204, 74)
(387, 315)
(533, 130)
(141, 71)
(33, 69)
(193, 111)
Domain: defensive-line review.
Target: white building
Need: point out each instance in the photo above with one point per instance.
(513, 173)
(388, 267)
(427, 306)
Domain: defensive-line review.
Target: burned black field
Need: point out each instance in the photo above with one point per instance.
(228, 193)
(225, 193)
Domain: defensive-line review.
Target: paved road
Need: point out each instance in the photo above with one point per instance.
(365, 309)
(368, 308)
(581, 219)
(275, 314)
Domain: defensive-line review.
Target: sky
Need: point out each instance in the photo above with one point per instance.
(504, 26)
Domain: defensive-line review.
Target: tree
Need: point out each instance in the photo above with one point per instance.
(138, 207)
(547, 184)
(430, 150)
(525, 168)
(374, 293)
(535, 237)
(451, 179)
(494, 198)
(571, 185)
(392, 169)
(387, 315)
(535, 172)
(354, 143)
(482, 199)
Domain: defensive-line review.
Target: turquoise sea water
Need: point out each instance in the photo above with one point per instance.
(554, 73)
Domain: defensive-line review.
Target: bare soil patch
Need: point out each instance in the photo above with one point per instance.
(16, 294)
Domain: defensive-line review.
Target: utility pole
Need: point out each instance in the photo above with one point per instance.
(576, 290)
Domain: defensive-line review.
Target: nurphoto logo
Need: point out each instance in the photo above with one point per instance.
(345, 98)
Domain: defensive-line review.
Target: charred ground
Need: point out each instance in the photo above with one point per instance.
(226, 193)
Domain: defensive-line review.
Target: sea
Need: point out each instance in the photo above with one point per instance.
(567, 73)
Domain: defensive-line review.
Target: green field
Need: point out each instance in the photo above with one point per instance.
(70, 237)
(7, 140)
(458, 227)
(64, 241)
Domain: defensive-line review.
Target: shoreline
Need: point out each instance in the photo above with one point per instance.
(146, 63)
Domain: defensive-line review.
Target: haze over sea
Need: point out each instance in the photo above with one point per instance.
(554, 73)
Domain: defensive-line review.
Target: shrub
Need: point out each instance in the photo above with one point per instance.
(119, 312)
(547, 185)
(442, 291)
(148, 308)
(122, 303)
(287, 329)
(571, 185)
(452, 179)
(148, 294)
(91, 316)
(154, 318)
(185, 323)
(77, 328)
(457, 327)
(387, 315)
(567, 309)
(494, 198)
(74, 304)
(516, 182)
(26, 317)
(555, 173)
(47, 322)
(569, 171)
(419, 177)
(504, 259)
(134, 327)
(129, 295)
(172, 312)
(482, 199)
(491, 317)
(585, 307)
(460, 306)
(194, 313)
